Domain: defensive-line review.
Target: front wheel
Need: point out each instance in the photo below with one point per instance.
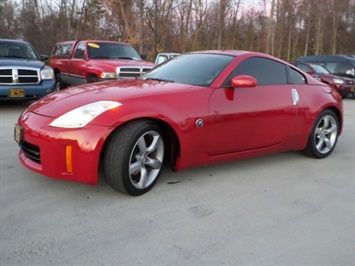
(59, 84)
(134, 157)
(324, 135)
(92, 79)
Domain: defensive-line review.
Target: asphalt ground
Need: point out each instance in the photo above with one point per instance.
(283, 209)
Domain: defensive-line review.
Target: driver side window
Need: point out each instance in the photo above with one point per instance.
(265, 71)
(80, 51)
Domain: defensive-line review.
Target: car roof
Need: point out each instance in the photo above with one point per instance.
(87, 41)
(308, 63)
(237, 53)
(13, 41)
(226, 52)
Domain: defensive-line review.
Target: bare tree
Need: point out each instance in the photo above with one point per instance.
(271, 30)
(285, 28)
(221, 20)
(141, 26)
(200, 10)
(9, 25)
(234, 25)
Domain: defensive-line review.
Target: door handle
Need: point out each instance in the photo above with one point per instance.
(295, 97)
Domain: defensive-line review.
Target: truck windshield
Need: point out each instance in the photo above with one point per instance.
(103, 50)
(17, 50)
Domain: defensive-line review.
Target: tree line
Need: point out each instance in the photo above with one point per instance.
(283, 28)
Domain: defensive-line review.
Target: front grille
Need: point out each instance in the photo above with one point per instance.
(32, 152)
(21, 76)
(131, 71)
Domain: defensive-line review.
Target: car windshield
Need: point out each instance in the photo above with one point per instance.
(102, 50)
(17, 50)
(319, 69)
(195, 69)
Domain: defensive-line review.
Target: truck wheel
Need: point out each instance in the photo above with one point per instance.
(92, 79)
(58, 83)
(134, 157)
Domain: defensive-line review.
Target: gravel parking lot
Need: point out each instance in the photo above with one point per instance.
(284, 209)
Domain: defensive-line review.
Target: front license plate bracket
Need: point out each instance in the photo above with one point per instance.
(18, 134)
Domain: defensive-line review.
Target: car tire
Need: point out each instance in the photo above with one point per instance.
(324, 135)
(134, 157)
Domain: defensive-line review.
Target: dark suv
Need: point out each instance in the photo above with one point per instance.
(342, 84)
(342, 65)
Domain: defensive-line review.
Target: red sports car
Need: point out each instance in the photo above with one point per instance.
(198, 108)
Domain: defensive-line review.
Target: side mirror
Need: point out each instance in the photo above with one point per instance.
(143, 56)
(243, 81)
(350, 72)
(311, 72)
(43, 57)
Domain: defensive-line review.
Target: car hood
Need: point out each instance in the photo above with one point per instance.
(58, 103)
(21, 62)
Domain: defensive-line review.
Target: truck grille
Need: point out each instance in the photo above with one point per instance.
(131, 71)
(15, 75)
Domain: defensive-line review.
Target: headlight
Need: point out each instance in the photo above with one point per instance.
(81, 116)
(47, 73)
(108, 75)
(338, 81)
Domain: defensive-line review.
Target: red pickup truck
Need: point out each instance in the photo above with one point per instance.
(86, 61)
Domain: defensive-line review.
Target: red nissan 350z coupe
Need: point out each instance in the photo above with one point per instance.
(198, 108)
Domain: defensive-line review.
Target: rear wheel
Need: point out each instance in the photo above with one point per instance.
(134, 157)
(324, 135)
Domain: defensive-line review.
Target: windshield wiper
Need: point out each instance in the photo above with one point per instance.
(159, 79)
(101, 57)
(125, 57)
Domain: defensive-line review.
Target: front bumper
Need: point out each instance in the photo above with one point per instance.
(345, 90)
(69, 154)
(26, 92)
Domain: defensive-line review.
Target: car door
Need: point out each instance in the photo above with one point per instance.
(78, 65)
(244, 119)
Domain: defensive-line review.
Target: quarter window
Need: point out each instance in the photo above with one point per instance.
(296, 77)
